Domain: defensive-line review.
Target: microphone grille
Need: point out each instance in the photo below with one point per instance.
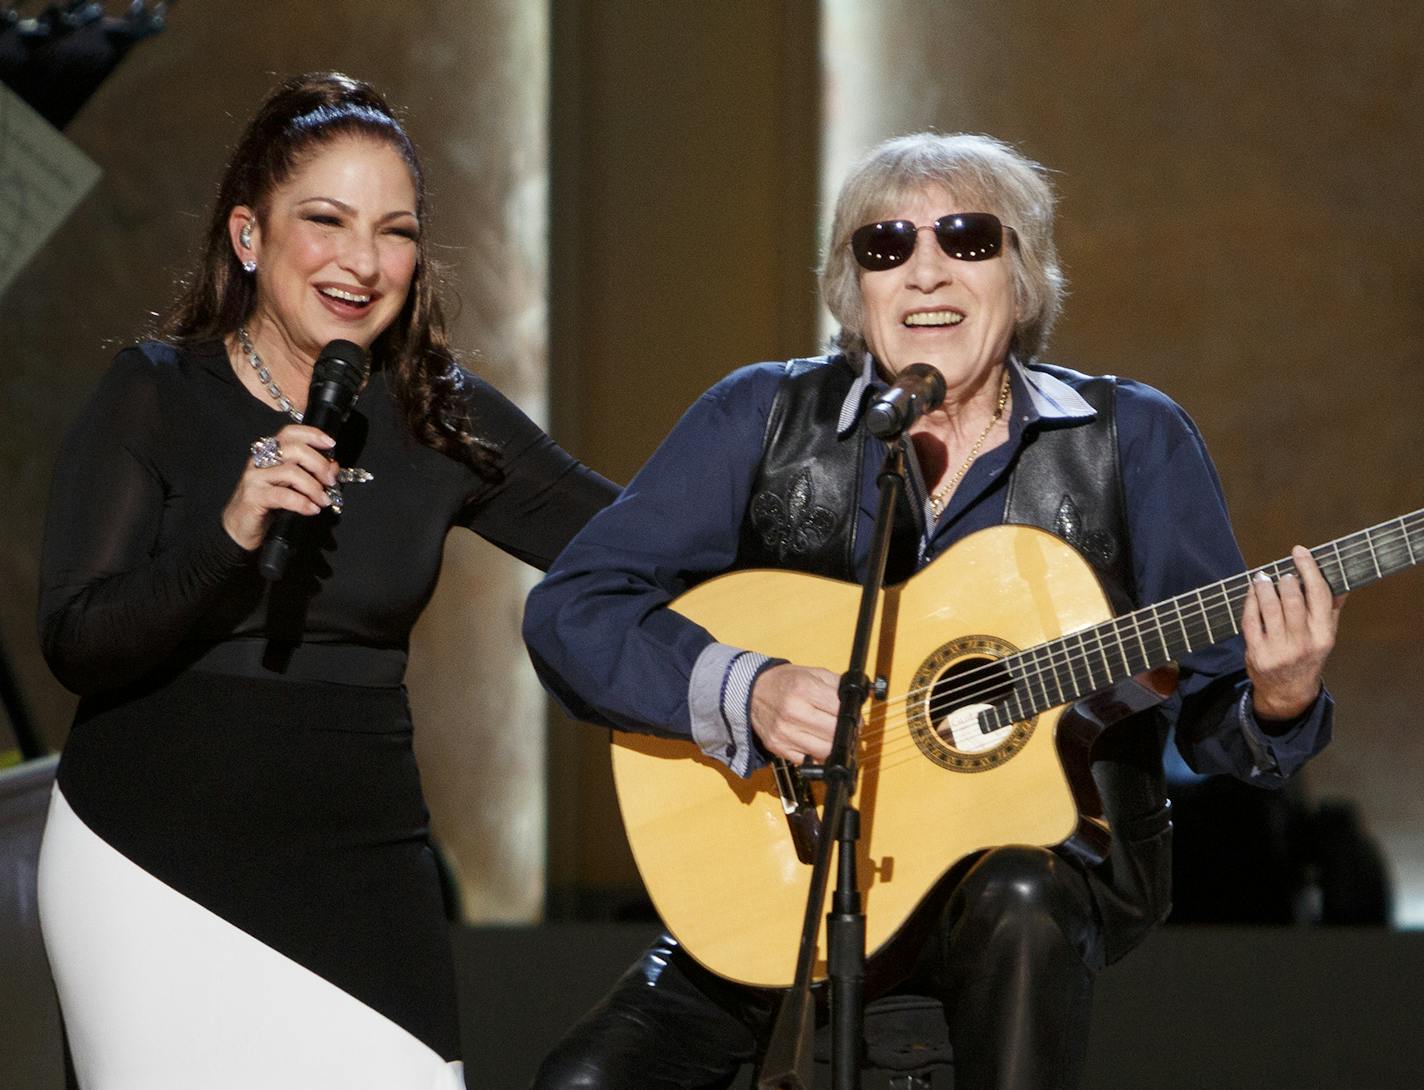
(343, 363)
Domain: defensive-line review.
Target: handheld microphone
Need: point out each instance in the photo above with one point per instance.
(340, 372)
(917, 390)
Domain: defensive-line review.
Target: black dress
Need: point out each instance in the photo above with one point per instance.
(236, 886)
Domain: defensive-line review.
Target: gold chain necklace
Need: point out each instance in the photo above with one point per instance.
(941, 494)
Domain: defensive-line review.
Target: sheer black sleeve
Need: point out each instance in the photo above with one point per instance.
(545, 495)
(113, 603)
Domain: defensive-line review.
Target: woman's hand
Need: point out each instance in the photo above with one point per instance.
(298, 483)
(794, 711)
(1290, 630)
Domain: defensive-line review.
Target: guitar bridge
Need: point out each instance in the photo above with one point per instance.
(800, 809)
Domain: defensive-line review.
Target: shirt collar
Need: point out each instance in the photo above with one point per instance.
(1038, 395)
(854, 401)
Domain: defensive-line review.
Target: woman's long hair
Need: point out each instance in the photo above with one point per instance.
(302, 115)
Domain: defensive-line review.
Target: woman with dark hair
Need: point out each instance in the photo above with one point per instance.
(236, 885)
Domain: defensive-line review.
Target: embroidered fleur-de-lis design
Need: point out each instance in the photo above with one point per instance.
(793, 525)
(1098, 546)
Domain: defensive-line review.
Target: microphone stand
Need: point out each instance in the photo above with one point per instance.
(789, 1056)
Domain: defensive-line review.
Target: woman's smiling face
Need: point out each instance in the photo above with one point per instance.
(335, 246)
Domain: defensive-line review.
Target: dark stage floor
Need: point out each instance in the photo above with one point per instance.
(1196, 1007)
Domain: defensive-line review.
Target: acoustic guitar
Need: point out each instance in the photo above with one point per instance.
(965, 744)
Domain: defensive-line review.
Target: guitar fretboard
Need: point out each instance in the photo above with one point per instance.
(1074, 666)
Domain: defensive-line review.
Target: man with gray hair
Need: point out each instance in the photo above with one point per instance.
(942, 253)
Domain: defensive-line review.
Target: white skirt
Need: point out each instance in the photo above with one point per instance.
(159, 993)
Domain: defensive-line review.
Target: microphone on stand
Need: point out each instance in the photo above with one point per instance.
(917, 390)
(340, 372)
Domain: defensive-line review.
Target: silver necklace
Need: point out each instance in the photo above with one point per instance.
(344, 475)
(264, 376)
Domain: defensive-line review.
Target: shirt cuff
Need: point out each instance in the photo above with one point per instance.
(1262, 746)
(719, 695)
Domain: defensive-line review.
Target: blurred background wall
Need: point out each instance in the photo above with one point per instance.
(645, 182)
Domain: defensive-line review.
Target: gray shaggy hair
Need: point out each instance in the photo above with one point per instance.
(983, 175)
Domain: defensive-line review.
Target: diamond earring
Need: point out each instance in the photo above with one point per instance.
(244, 237)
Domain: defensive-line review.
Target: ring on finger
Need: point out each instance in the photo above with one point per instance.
(266, 452)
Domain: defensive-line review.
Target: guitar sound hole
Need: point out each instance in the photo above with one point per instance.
(967, 687)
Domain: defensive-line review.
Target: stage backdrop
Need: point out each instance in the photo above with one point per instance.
(1239, 225)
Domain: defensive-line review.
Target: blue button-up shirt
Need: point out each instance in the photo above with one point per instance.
(606, 648)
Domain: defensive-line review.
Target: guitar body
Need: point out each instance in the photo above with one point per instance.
(714, 850)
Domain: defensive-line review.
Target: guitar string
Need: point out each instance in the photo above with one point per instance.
(1236, 597)
(889, 721)
(1182, 613)
(1021, 683)
(1092, 646)
(1230, 592)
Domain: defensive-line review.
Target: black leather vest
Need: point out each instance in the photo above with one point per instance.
(804, 508)
(804, 512)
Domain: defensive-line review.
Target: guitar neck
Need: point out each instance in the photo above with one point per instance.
(1074, 666)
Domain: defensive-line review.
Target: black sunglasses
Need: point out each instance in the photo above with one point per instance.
(967, 236)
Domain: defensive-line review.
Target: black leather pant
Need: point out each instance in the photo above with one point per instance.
(1012, 959)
